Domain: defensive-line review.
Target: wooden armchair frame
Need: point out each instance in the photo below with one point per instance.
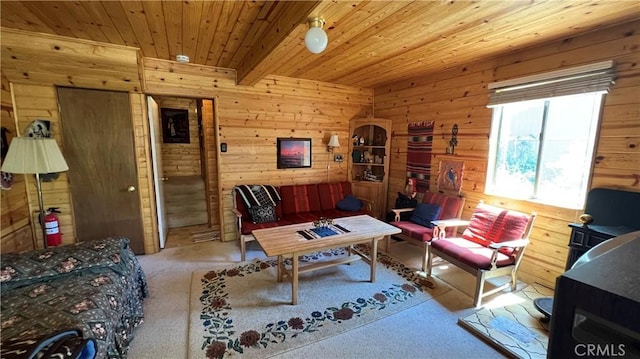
(425, 245)
(519, 245)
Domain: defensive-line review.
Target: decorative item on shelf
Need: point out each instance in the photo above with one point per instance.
(362, 141)
(316, 38)
(454, 139)
(367, 157)
(585, 219)
(322, 222)
(377, 159)
(355, 140)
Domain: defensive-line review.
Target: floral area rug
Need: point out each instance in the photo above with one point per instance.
(244, 312)
(512, 324)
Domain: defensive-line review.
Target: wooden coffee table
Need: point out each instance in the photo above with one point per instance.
(285, 242)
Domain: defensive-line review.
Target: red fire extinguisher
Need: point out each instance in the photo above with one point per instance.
(52, 227)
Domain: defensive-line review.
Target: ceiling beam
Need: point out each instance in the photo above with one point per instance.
(263, 54)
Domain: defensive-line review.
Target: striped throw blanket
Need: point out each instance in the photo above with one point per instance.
(258, 195)
(419, 154)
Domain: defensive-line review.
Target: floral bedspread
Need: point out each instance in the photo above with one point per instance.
(95, 286)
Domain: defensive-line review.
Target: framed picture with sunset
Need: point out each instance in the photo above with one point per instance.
(294, 153)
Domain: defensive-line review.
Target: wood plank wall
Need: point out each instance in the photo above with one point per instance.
(15, 223)
(70, 62)
(459, 96)
(181, 159)
(250, 119)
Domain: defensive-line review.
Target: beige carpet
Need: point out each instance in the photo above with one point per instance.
(511, 323)
(244, 310)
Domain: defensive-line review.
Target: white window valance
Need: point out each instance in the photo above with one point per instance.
(576, 80)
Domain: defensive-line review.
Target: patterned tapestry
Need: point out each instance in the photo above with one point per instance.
(419, 154)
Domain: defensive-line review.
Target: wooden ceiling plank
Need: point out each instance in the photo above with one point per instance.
(260, 23)
(347, 26)
(191, 24)
(209, 22)
(45, 12)
(100, 18)
(466, 48)
(435, 21)
(85, 22)
(241, 28)
(121, 22)
(230, 11)
(173, 26)
(155, 20)
(16, 15)
(251, 69)
(138, 21)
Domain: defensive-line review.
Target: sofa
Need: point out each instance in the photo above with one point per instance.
(294, 204)
(95, 288)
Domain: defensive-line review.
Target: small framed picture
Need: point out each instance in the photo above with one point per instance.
(175, 125)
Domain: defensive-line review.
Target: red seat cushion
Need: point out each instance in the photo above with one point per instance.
(471, 253)
(414, 230)
(336, 213)
(248, 226)
(304, 217)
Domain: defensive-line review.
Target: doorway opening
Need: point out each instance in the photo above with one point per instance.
(184, 175)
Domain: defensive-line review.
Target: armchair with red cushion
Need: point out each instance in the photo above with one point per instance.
(492, 245)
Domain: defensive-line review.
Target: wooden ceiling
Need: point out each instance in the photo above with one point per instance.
(370, 42)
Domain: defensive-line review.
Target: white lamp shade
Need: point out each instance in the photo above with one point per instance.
(34, 155)
(333, 141)
(316, 40)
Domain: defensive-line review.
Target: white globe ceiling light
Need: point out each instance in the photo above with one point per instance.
(316, 39)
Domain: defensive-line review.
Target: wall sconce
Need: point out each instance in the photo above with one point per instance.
(333, 142)
(316, 39)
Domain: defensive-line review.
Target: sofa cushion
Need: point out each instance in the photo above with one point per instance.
(425, 213)
(263, 214)
(450, 205)
(349, 203)
(471, 253)
(332, 193)
(491, 224)
(299, 199)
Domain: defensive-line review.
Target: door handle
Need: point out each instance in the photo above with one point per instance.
(131, 189)
(164, 178)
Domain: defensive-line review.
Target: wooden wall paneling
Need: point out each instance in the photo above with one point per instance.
(68, 62)
(33, 102)
(35, 98)
(16, 233)
(139, 115)
(211, 159)
(459, 96)
(250, 119)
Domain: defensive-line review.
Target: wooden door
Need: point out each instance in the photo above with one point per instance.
(158, 177)
(98, 146)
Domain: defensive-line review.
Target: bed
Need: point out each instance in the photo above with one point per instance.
(96, 287)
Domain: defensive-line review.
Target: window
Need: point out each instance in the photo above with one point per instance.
(541, 148)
